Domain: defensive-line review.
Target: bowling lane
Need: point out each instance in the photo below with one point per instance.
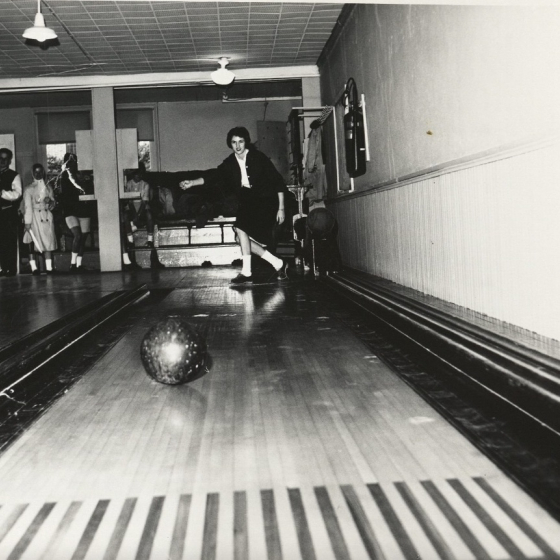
(28, 302)
(298, 443)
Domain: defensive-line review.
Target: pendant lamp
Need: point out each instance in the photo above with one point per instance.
(39, 32)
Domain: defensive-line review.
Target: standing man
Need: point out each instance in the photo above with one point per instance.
(10, 193)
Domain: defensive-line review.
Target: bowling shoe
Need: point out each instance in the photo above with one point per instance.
(283, 271)
(242, 279)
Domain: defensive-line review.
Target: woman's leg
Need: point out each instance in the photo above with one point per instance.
(85, 225)
(32, 261)
(76, 241)
(245, 245)
(76, 244)
(149, 226)
(244, 242)
(48, 261)
(248, 247)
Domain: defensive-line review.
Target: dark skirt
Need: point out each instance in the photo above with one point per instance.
(256, 216)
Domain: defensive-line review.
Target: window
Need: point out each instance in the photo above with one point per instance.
(57, 135)
(144, 153)
(142, 119)
(55, 156)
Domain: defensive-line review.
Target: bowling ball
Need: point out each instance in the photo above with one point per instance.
(320, 222)
(173, 352)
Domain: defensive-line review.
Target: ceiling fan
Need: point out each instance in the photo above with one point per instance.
(222, 76)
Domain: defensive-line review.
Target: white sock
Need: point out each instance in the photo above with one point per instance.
(130, 238)
(274, 261)
(33, 266)
(78, 261)
(150, 237)
(74, 257)
(126, 258)
(133, 227)
(246, 269)
(48, 264)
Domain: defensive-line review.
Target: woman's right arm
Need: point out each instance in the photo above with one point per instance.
(191, 183)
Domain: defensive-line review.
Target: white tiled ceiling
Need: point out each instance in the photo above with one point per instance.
(128, 37)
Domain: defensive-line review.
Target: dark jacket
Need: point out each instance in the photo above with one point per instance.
(264, 178)
(69, 198)
(6, 180)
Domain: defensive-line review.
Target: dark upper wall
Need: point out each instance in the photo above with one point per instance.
(21, 123)
(238, 90)
(446, 82)
(191, 134)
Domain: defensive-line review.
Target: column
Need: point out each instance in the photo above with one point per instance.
(105, 175)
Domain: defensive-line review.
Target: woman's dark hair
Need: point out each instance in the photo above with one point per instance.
(8, 152)
(71, 161)
(240, 131)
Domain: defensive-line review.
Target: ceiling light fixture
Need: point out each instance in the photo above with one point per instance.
(39, 32)
(222, 76)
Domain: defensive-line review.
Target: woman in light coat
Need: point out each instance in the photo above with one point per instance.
(38, 201)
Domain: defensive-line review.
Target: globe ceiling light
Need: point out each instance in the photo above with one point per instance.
(222, 76)
(39, 32)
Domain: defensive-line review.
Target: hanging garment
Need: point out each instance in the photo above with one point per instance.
(314, 170)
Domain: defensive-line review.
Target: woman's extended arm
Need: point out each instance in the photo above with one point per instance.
(281, 215)
(191, 183)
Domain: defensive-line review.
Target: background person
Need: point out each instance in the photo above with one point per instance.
(75, 213)
(138, 210)
(260, 190)
(10, 193)
(38, 202)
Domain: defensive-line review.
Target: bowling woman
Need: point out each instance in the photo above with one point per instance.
(260, 189)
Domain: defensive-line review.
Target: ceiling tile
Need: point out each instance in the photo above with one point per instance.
(116, 36)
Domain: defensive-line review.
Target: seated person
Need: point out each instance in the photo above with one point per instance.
(199, 203)
(139, 210)
(165, 201)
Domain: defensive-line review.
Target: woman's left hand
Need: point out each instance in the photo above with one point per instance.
(280, 216)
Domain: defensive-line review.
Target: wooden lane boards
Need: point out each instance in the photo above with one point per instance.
(449, 519)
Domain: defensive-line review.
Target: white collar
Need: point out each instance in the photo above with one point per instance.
(243, 157)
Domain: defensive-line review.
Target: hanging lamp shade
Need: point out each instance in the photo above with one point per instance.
(222, 76)
(39, 32)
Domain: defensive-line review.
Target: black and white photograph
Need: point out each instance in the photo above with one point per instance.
(279, 280)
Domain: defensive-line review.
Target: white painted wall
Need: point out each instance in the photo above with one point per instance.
(444, 82)
(484, 234)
